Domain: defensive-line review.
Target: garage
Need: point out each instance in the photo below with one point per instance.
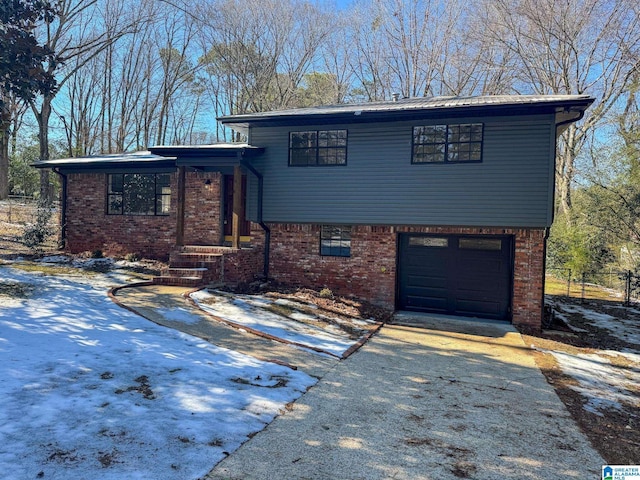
(456, 274)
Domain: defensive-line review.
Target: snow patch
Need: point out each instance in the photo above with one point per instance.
(91, 390)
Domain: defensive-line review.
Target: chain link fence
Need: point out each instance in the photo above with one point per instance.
(611, 285)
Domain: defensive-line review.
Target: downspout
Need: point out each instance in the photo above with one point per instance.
(264, 226)
(63, 210)
(547, 230)
(544, 270)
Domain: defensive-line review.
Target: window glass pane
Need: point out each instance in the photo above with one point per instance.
(303, 139)
(139, 194)
(475, 151)
(428, 242)
(163, 180)
(163, 203)
(454, 133)
(438, 134)
(326, 156)
(303, 156)
(480, 244)
(332, 156)
(115, 183)
(434, 158)
(476, 132)
(114, 204)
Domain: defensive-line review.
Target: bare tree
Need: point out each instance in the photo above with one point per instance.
(76, 36)
(177, 69)
(570, 47)
(257, 52)
(419, 48)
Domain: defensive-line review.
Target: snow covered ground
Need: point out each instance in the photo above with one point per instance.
(626, 329)
(291, 321)
(90, 390)
(607, 379)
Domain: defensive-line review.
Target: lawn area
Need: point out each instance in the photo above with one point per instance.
(91, 390)
(559, 286)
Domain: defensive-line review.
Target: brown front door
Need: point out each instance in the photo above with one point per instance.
(245, 225)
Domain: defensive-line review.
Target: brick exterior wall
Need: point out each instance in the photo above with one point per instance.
(370, 272)
(202, 208)
(89, 227)
(247, 264)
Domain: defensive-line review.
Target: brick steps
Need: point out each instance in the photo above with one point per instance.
(193, 265)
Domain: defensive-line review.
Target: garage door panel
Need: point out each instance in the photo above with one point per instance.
(427, 304)
(475, 308)
(470, 276)
(432, 281)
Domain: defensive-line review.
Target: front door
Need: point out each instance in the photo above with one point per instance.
(245, 225)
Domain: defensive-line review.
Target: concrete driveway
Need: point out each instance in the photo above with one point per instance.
(426, 398)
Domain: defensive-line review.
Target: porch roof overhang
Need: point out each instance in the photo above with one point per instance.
(130, 162)
(218, 156)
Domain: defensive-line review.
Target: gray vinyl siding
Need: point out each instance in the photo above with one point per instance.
(512, 186)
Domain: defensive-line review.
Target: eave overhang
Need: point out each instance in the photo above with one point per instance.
(411, 109)
(130, 162)
(218, 157)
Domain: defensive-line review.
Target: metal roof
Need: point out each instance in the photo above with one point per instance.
(213, 150)
(412, 105)
(144, 158)
(159, 156)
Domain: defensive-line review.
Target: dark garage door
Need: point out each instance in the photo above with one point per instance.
(456, 275)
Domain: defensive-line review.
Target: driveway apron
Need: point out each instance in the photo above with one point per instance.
(427, 398)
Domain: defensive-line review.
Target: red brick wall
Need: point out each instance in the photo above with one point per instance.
(246, 265)
(202, 208)
(89, 228)
(370, 272)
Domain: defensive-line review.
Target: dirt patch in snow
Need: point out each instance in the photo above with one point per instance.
(325, 301)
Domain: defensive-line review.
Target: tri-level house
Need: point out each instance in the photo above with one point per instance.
(438, 205)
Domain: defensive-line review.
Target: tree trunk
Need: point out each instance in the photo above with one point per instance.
(5, 123)
(42, 116)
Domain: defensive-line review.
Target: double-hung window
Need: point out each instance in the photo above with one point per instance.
(335, 240)
(318, 148)
(138, 194)
(457, 143)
